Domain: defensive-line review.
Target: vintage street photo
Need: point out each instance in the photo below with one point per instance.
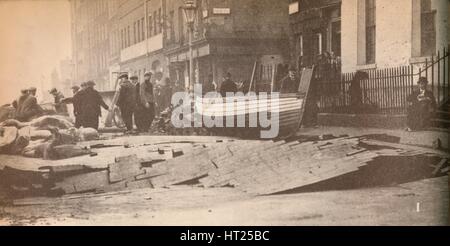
(224, 113)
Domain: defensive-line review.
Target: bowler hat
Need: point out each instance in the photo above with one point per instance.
(422, 80)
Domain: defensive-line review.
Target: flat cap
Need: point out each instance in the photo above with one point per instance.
(53, 90)
(123, 76)
(75, 87)
(90, 83)
(148, 74)
(134, 77)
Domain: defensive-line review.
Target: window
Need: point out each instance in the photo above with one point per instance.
(427, 28)
(336, 38)
(159, 21)
(155, 23)
(142, 29)
(170, 29)
(135, 33)
(138, 31)
(149, 26)
(370, 31)
(128, 36)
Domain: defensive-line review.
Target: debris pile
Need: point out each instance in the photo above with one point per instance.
(256, 167)
(47, 137)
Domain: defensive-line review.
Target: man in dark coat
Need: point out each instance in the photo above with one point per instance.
(356, 92)
(422, 106)
(290, 83)
(77, 102)
(19, 102)
(30, 108)
(145, 111)
(60, 106)
(89, 108)
(127, 102)
(228, 86)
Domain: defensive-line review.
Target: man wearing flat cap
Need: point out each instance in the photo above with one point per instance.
(422, 105)
(30, 108)
(89, 108)
(60, 106)
(145, 111)
(18, 103)
(74, 100)
(127, 102)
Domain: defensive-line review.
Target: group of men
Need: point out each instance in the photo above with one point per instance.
(26, 106)
(136, 100)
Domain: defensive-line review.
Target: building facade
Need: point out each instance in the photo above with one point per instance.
(378, 34)
(315, 29)
(229, 36)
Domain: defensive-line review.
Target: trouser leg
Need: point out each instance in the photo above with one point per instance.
(127, 116)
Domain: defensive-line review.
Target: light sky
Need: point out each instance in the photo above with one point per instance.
(35, 37)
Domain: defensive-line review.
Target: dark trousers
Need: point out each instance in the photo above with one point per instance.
(77, 122)
(90, 121)
(127, 117)
(144, 117)
(419, 116)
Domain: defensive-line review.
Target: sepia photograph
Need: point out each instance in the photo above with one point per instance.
(224, 113)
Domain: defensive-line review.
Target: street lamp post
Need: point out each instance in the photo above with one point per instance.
(190, 12)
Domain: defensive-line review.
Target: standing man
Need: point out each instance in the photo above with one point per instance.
(60, 106)
(30, 109)
(422, 106)
(90, 103)
(356, 92)
(290, 83)
(76, 102)
(228, 86)
(17, 104)
(208, 85)
(145, 112)
(127, 102)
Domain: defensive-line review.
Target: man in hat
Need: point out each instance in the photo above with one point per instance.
(145, 110)
(60, 106)
(290, 83)
(18, 103)
(127, 101)
(30, 108)
(89, 107)
(74, 100)
(357, 93)
(228, 86)
(422, 106)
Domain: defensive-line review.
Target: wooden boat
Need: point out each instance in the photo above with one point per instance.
(284, 109)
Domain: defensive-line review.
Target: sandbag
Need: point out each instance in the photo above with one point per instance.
(7, 136)
(6, 112)
(57, 121)
(14, 123)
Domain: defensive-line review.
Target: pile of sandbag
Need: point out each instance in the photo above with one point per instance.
(49, 137)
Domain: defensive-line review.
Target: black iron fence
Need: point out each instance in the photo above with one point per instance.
(386, 90)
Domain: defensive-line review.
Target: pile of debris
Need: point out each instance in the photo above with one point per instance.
(47, 137)
(256, 167)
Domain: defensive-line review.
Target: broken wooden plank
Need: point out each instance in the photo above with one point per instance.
(439, 166)
(124, 167)
(84, 182)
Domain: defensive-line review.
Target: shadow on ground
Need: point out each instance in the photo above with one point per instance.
(382, 171)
